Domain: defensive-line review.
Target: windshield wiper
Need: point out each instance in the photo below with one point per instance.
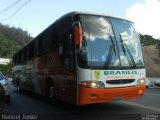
(110, 53)
(130, 55)
(124, 48)
(109, 56)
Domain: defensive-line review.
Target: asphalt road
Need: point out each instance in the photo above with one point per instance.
(26, 106)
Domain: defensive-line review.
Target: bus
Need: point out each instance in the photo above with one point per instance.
(83, 58)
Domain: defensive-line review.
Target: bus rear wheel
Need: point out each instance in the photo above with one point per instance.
(18, 85)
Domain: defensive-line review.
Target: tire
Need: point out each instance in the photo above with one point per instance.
(50, 91)
(18, 85)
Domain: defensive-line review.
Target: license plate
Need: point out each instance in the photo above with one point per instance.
(117, 98)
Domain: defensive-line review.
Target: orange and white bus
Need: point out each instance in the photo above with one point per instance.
(83, 58)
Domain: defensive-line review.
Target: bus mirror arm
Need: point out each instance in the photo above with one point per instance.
(76, 23)
(78, 50)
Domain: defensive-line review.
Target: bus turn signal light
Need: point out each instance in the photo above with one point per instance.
(140, 91)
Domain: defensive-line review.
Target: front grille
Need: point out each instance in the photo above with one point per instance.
(122, 81)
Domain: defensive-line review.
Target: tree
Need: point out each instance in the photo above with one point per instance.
(147, 40)
(6, 69)
(11, 40)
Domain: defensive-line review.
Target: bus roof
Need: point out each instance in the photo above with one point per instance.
(71, 14)
(88, 13)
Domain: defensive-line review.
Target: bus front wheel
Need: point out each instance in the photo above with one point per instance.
(50, 90)
(51, 93)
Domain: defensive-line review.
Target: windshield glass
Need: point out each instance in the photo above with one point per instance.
(1, 76)
(127, 39)
(109, 40)
(99, 37)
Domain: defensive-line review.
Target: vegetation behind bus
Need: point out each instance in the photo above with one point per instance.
(11, 40)
(6, 69)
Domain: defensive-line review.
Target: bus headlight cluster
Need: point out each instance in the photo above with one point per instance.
(141, 81)
(93, 84)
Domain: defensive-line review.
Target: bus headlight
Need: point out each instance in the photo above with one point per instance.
(141, 81)
(93, 84)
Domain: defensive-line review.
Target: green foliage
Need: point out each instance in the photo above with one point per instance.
(147, 40)
(6, 69)
(11, 40)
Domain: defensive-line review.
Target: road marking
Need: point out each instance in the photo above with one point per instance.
(141, 105)
(152, 94)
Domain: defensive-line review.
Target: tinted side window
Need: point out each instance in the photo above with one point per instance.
(48, 38)
(66, 51)
(25, 54)
(36, 45)
(30, 50)
(40, 45)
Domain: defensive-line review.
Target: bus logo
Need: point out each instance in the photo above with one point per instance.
(97, 74)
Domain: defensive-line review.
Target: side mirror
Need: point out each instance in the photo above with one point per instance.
(78, 35)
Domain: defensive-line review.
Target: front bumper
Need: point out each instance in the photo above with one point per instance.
(102, 95)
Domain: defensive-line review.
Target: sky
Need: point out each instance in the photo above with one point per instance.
(37, 15)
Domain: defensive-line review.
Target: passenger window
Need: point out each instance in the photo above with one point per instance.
(66, 51)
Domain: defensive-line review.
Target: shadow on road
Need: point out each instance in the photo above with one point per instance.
(24, 102)
(100, 108)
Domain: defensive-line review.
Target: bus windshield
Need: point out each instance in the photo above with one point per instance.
(110, 40)
(127, 39)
